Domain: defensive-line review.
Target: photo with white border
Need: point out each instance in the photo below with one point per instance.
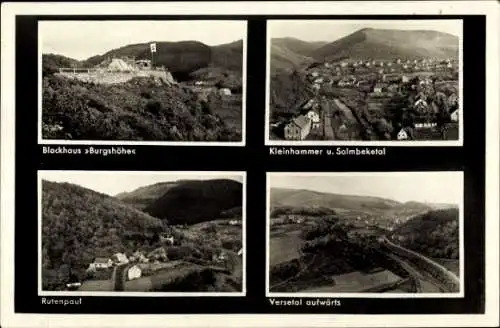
(142, 82)
(104, 233)
(365, 234)
(364, 82)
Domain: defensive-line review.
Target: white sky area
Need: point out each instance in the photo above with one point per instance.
(114, 182)
(83, 39)
(426, 187)
(331, 30)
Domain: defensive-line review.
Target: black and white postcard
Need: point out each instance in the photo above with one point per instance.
(364, 82)
(150, 233)
(360, 234)
(142, 82)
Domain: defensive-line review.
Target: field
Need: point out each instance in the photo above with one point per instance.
(284, 246)
(356, 282)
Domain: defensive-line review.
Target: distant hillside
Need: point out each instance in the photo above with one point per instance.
(144, 196)
(372, 43)
(52, 62)
(182, 58)
(79, 224)
(287, 53)
(305, 198)
(435, 233)
(197, 201)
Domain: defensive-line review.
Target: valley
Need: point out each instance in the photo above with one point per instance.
(364, 245)
(370, 85)
(96, 242)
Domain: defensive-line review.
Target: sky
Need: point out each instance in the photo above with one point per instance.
(114, 182)
(426, 187)
(331, 30)
(83, 39)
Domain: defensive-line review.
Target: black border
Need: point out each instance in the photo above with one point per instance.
(255, 159)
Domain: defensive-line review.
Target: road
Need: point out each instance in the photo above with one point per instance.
(422, 283)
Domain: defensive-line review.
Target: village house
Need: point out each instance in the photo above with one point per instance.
(344, 64)
(404, 134)
(327, 65)
(420, 105)
(100, 263)
(316, 86)
(298, 128)
(393, 87)
(234, 222)
(405, 79)
(138, 257)
(143, 63)
(380, 88)
(314, 74)
(120, 258)
(240, 252)
(221, 257)
(319, 80)
(314, 117)
(224, 92)
(454, 116)
(134, 272)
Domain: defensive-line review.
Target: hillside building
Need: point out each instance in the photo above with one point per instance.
(120, 258)
(454, 116)
(405, 79)
(100, 263)
(224, 92)
(380, 88)
(298, 128)
(402, 135)
(134, 272)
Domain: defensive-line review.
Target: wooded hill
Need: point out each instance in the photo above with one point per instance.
(434, 234)
(197, 201)
(371, 43)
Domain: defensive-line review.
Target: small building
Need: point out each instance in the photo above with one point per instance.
(298, 128)
(100, 263)
(134, 272)
(240, 252)
(120, 258)
(327, 65)
(454, 116)
(344, 64)
(393, 87)
(143, 63)
(314, 74)
(319, 80)
(224, 92)
(234, 222)
(380, 88)
(420, 105)
(316, 86)
(405, 79)
(402, 135)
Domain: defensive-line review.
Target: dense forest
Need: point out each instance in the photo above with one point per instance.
(197, 201)
(79, 224)
(434, 234)
(140, 109)
(288, 91)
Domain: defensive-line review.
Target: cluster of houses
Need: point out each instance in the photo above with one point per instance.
(299, 127)
(422, 64)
